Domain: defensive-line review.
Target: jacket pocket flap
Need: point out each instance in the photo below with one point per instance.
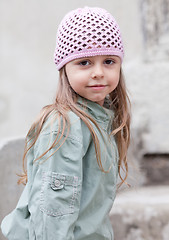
(58, 181)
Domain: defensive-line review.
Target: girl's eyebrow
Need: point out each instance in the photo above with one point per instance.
(111, 56)
(81, 59)
(84, 58)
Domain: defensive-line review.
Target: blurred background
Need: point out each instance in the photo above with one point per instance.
(28, 79)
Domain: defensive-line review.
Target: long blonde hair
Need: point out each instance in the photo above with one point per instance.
(66, 100)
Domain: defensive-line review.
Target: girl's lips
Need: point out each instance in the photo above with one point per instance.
(97, 87)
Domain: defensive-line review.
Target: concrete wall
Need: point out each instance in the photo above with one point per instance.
(10, 164)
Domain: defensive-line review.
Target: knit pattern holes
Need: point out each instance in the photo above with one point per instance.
(87, 32)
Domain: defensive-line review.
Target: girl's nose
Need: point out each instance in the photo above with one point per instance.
(97, 72)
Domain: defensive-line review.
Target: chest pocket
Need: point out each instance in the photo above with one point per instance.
(59, 194)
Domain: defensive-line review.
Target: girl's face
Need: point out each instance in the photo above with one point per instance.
(94, 77)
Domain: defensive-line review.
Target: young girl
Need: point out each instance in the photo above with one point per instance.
(76, 148)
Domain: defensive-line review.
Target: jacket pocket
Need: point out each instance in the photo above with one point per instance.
(59, 194)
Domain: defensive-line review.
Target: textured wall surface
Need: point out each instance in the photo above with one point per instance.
(155, 28)
(148, 84)
(11, 164)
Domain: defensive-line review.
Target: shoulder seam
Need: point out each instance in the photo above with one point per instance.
(74, 138)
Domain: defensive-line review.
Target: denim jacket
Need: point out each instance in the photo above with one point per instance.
(67, 196)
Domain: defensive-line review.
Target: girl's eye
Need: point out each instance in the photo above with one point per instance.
(109, 61)
(84, 63)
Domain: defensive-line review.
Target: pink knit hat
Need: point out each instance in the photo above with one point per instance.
(87, 32)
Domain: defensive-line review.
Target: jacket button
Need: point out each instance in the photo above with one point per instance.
(57, 183)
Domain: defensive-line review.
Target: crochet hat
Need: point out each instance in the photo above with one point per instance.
(86, 32)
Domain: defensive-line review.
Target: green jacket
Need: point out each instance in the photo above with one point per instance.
(67, 196)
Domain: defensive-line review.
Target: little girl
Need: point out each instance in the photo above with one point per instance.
(76, 148)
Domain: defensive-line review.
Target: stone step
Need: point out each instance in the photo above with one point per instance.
(141, 214)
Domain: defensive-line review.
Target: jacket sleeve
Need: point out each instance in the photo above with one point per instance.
(54, 199)
(16, 224)
(50, 203)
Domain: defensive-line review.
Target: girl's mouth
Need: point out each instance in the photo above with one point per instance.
(97, 87)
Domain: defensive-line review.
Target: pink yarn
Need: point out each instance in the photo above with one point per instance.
(87, 32)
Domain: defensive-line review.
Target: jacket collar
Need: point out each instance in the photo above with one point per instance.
(101, 114)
